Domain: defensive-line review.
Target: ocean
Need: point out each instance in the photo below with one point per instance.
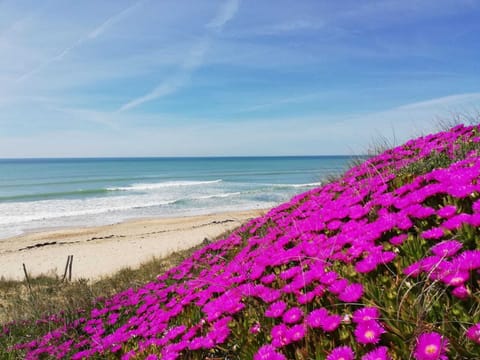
(38, 194)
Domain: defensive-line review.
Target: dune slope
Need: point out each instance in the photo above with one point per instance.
(382, 263)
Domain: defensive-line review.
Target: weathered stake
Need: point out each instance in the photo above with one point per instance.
(70, 268)
(27, 278)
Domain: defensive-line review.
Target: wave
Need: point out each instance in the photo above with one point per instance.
(58, 211)
(54, 194)
(296, 185)
(223, 195)
(56, 208)
(160, 185)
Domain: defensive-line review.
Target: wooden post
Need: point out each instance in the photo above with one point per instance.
(66, 269)
(70, 268)
(27, 278)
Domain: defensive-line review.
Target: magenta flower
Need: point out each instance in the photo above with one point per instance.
(331, 323)
(455, 277)
(446, 248)
(368, 332)
(468, 260)
(447, 211)
(399, 239)
(296, 332)
(341, 353)
(435, 233)
(255, 328)
(431, 346)
(276, 309)
(380, 353)
(413, 270)
(365, 314)
(461, 292)
(476, 206)
(367, 264)
(317, 317)
(293, 315)
(473, 333)
(280, 335)
(338, 286)
(268, 352)
(351, 293)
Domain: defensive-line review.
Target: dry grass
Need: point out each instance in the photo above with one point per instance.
(27, 301)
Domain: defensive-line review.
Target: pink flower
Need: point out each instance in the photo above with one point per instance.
(276, 309)
(341, 353)
(435, 233)
(338, 286)
(317, 317)
(446, 248)
(455, 277)
(293, 315)
(473, 333)
(280, 335)
(351, 293)
(447, 211)
(331, 323)
(254, 329)
(431, 346)
(268, 352)
(468, 260)
(365, 314)
(476, 206)
(368, 332)
(461, 292)
(399, 239)
(380, 353)
(296, 332)
(367, 264)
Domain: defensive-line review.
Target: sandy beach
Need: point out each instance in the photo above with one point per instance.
(103, 250)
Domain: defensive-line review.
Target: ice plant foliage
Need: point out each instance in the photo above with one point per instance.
(382, 263)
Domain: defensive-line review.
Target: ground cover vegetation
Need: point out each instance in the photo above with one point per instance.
(381, 263)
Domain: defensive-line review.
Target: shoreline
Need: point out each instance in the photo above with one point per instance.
(102, 250)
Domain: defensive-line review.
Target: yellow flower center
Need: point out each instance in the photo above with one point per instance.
(431, 349)
(369, 334)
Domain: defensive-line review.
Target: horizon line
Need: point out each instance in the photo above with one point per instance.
(176, 157)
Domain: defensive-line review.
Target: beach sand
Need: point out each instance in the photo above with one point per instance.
(99, 251)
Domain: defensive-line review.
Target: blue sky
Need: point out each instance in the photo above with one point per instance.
(230, 77)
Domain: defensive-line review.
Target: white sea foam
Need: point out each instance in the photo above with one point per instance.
(296, 185)
(224, 195)
(161, 185)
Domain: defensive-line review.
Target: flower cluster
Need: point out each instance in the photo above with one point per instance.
(307, 276)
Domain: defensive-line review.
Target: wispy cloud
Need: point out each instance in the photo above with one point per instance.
(113, 20)
(225, 14)
(193, 61)
(445, 102)
(91, 36)
(167, 87)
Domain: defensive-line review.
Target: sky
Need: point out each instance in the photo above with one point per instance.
(231, 77)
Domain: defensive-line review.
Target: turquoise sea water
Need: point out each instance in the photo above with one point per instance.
(46, 193)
